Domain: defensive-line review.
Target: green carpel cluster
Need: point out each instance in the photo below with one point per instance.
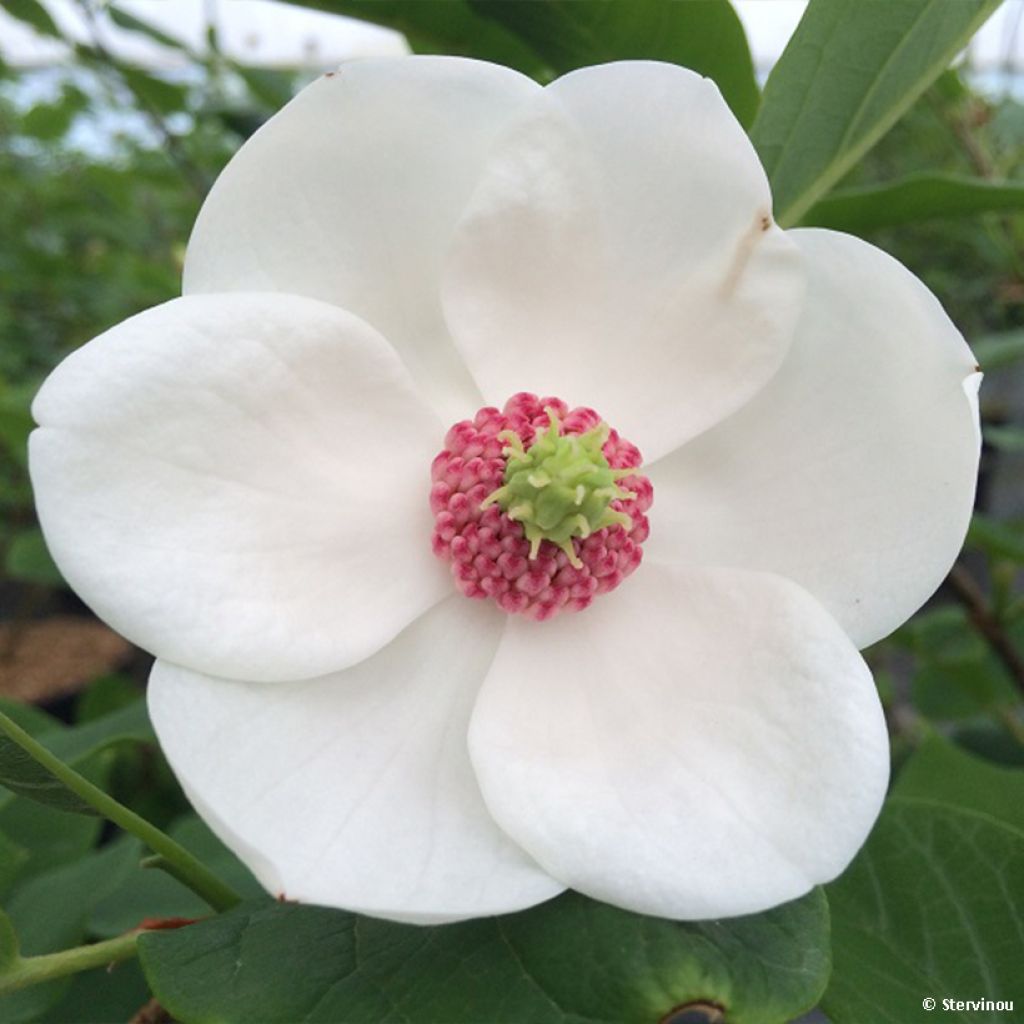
(561, 487)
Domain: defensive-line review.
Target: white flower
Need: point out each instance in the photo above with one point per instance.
(238, 481)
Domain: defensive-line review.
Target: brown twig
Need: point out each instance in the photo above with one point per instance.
(151, 1013)
(966, 590)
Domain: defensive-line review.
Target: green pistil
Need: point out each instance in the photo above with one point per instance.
(561, 487)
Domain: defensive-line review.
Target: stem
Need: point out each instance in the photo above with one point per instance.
(187, 868)
(1012, 724)
(161, 863)
(966, 590)
(33, 970)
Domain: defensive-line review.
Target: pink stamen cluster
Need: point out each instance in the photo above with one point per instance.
(488, 552)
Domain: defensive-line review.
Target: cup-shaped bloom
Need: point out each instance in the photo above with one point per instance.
(432, 641)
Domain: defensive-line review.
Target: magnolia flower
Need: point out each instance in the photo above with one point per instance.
(432, 642)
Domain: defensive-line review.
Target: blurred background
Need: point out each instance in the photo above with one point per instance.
(114, 121)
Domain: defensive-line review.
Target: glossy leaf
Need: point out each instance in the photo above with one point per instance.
(570, 960)
(705, 35)
(850, 70)
(916, 198)
(932, 905)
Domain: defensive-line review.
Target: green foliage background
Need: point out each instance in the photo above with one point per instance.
(930, 170)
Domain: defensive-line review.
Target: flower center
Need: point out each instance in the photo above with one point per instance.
(538, 507)
(561, 486)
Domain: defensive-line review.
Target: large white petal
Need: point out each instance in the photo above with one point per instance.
(350, 194)
(355, 790)
(620, 252)
(853, 471)
(238, 483)
(699, 744)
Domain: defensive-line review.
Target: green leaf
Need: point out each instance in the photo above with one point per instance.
(155, 93)
(996, 539)
(12, 859)
(101, 996)
(850, 70)
(128, 724)
(8, 942)
(152, 893)
(25, 776)
(914, 198)
(175, 858)
(441, 26)
(990, 742)
(28, 559)
(123, 19)
(35, 721)
(35, 14)
(995, 351)
(108, 694)
(270, 87)
(16, 419)
(957, 688)
(569, 960)
(50, 837)
(49, 913)
(49, 121)
(705, 35)
(931, 907)
(1006, 439)
(940, 771)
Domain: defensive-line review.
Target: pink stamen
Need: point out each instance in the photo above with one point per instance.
(487, 550)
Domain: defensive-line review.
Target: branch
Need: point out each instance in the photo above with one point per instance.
(187, 868)
(966, 590)
(33, 970)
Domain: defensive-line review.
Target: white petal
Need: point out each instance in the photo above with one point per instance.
(620, 253)
(853, 472)
(699, 744)
(355, 790)
(238, 483)
(350, 195)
